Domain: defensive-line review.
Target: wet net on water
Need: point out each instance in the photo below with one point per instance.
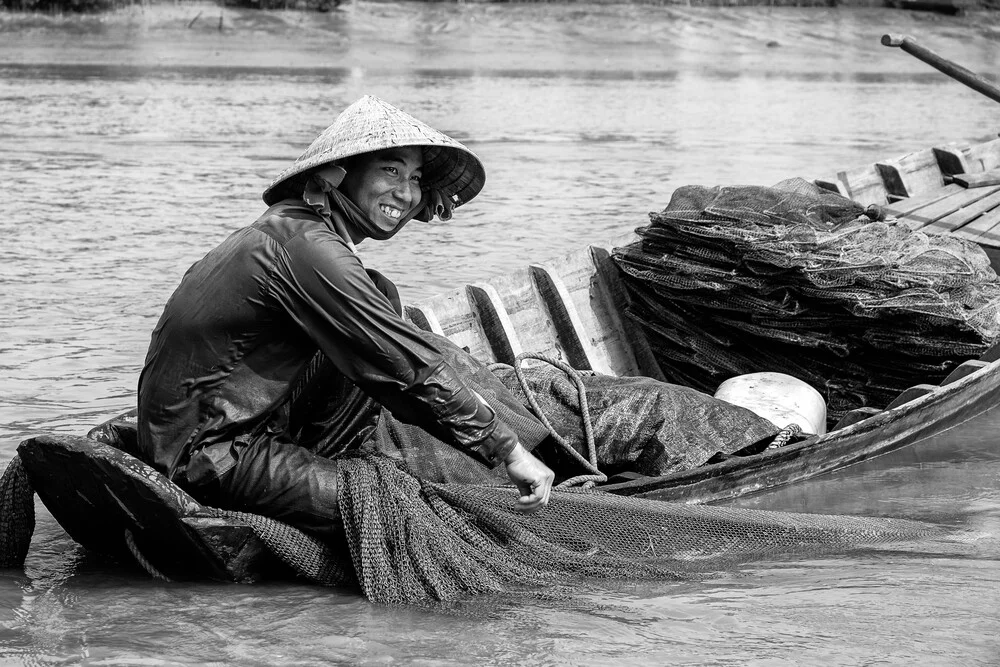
(411, 541)
(799, 280)
(415, 542)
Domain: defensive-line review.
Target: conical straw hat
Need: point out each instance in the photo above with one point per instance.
(371, 124)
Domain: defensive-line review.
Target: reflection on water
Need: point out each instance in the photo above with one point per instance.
(130, 149)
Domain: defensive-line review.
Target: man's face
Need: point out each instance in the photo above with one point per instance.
(385, 185)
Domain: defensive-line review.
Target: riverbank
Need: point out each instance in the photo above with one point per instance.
(118, 8)
(660, 39)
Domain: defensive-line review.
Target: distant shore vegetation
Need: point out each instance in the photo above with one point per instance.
(92, 6)
(96, 6)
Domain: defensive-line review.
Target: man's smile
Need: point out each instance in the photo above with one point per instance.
(390, 211)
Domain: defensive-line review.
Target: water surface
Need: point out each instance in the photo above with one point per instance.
(131, 147)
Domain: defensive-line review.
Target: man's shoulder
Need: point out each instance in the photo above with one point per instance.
(289, 219)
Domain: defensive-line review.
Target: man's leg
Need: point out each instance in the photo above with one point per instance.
(278, 479)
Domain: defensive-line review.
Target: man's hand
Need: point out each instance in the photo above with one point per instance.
(532, 477)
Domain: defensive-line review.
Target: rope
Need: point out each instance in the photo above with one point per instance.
(17, 514)
(584, 481)
(142, 560)
(784, 436)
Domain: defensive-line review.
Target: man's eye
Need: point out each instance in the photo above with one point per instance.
(391, 170)
(416, 177)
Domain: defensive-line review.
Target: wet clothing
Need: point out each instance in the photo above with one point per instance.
(237, 335)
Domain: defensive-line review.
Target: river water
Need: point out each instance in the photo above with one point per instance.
(132, 144)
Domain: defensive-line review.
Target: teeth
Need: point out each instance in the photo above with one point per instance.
(390, 211)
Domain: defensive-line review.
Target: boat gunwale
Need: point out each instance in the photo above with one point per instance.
(967, 385)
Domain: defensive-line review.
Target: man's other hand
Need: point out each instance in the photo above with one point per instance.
(532, 478)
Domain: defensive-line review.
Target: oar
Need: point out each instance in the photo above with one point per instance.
(954, 70)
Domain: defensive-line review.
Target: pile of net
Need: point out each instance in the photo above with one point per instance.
(799, 280)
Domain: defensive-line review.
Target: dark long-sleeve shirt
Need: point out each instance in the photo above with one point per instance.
(247, 318)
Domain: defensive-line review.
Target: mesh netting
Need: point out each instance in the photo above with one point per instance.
(17, 513)
(410, 541)
(417, 542)
(796, 279)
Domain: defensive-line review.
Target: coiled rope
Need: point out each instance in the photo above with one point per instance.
(583, 481)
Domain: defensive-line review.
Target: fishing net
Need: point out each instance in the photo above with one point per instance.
(411, 541)
(17, 514)
(414, 542)
(799, 280)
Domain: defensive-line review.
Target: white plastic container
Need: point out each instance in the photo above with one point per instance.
(779, 398)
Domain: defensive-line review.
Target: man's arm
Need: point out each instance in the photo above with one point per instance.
(327, 291)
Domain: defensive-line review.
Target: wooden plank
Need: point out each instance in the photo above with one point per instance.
(528, 315)
(979, 180)
(854, 416)
(609, 348)
(991, 236)
(569, 330)
(978, 228)
(911, 175)
(931, 213)
(424, 318)
(951, 159)
(495, 322)
(629, 337)
(911, 394)
(905, 207)
(964, 215)
(453, 316)
(864, 185)
(835, 185)
(982, 157)
(965, 369)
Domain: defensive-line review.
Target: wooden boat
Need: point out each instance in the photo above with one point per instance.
(570, 309)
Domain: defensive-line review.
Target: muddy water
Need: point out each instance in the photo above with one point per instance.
(133, 144)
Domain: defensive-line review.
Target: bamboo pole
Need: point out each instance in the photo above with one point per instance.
(952, 69)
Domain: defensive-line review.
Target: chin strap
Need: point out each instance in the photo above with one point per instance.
(317, 195)
(322, 194)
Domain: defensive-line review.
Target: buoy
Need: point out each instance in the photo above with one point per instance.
(779, 398)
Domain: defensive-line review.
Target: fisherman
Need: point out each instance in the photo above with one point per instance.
(280, 353)
(286, 303)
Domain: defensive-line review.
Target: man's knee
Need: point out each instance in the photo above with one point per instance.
(283, 481)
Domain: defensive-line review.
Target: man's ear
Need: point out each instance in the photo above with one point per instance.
(332, 175)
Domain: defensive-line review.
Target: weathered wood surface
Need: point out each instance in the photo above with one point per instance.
(98, 492)
(985, 178)
(569, 309)
(911, 174)
(954, 188)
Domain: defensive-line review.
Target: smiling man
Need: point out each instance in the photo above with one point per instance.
(278, 351)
